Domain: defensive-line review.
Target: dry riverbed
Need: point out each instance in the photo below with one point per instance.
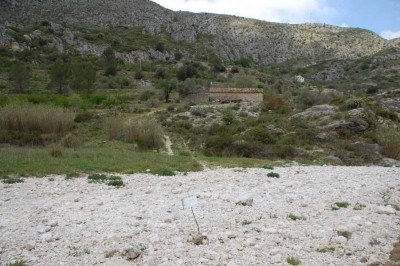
(246, 218)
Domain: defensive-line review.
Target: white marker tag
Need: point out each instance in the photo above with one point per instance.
(189, 202)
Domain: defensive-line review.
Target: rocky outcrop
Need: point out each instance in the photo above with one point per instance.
(230, 37)
(317, 111)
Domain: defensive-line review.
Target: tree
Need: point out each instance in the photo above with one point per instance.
(59, 75)
(20, 76)
(191, 86)
(186, 71)
(167, 86)
(83, 76)
(216, 63)
(110, 62)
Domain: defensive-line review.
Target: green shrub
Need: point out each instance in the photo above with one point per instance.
(260, 134)
(338, 205)
(273, 175)
(11, 180)
(354, 103)
(18, 263)
(115, 181)
(293, 261)
(228, 117)
(294, 217)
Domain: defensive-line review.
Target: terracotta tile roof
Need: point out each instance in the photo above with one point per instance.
(235, 90)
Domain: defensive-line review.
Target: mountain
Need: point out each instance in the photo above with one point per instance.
(230, 37)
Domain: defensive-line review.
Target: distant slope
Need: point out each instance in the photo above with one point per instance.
(229, 36)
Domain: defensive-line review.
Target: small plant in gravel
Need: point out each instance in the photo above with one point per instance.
(114, 181)
(51, 179)
(359, 206)
(293, 261)
(338, 205)
(11, 180)
(17, 263)
(273, 175)
(70, 176)
(246, 222)
(163, 172)
(294, 217)
(326, 250)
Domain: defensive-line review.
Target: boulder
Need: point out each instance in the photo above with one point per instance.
(333, 160)
(317, 111)
(389, 162)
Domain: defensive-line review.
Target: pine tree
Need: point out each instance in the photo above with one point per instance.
(59, 75)
(20, 76)
(109, 62)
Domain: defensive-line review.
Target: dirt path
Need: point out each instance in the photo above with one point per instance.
(168, 145)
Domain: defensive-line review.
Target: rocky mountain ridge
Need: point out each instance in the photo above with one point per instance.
(230, 37)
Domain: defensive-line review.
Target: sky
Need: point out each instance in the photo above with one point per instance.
(379, 16)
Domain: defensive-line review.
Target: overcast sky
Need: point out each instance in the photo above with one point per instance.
(380, 16)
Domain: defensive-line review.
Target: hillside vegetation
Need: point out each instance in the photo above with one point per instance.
(67, 90)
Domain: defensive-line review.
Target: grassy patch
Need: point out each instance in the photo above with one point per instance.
(38, 162)
(163, 172)
(293, 261)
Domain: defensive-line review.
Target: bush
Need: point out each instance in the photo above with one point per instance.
(147, 133)
(11, 180)
(389, 139)
(114, 128)
(31, 118)
(273, 175)
(83, 117)
(354, 103)
(71, 141)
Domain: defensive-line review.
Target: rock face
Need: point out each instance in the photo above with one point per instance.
(230, 37)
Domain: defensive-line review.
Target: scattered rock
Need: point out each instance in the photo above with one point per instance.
(199, 239)
(131, 252)
(385, 210)
(30, 246)
(340, 240)
(48, 237)
(244, 200)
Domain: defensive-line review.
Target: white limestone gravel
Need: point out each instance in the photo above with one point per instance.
(72, 222)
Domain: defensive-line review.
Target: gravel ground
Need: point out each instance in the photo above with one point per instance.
(246, 218)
